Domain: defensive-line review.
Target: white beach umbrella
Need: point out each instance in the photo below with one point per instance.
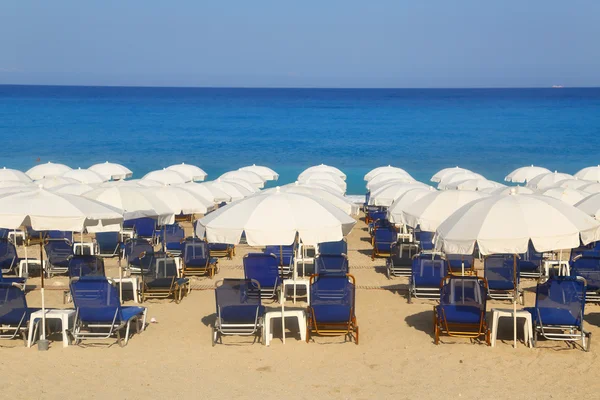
(590, 205)
(240, 182)
(233, 189)
(53, 181)
(474, 184)
(209, 192)
(324, 184)
(547, 180)
(8, 174)
(457, 177)
(14, 184)
(264, 172)
(509, 190)
(192, 172)
(84, 176)
(248, 176)
(569, 196)
(388, 177)
(506, 224)
(386, 195)
(73, 188)
(275, 218)
(136, 202)
(525, 174)
(589, 173)
(324, 176)
(382, 170)
(323, 168)
(109, 171)
(166, 177)
(573, 183)
(335, 199)
(132, 183)
(405, 200)
(590, 188)
(432, 209)
(182, 201)
(441, 174)
(46, 170)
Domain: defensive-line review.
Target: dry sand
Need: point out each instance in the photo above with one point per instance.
(396, 357)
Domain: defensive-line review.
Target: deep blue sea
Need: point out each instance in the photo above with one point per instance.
(491, 131)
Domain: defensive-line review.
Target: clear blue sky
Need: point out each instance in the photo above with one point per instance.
(325, 43)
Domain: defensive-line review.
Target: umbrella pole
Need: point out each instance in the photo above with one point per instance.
(43, 337)
(515, 301)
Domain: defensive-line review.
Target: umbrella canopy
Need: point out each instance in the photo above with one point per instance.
(108, 171)
(47, 170)
(573, 183)
(323, 168)
(589, 173)
(245, 184)
(509, 190)
(441, 174)
(209, 192)
(525, 174)
(386, 195)
(474, 184)
(506, 224)
(431, 210)
(247, 176)
(84, 176)
(53, 181)
(136, 202)
(405, 200)
(275, 218)
(547, 180)
(264, 172)
(590, 188)
(182, 201)
(323, 176)
(330, 186)
(590, 205)
(45, 210)
(8, 174)
(13, 184)
(335, 199)
(381, 170)
(233, 189)
(457, 177)
(191, 172)
(569, 196)
(388, 177)
(73, 188)
(166, 177)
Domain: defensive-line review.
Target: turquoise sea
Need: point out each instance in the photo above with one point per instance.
(491, 131)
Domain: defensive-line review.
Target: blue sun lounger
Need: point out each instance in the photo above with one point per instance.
(162, 280)
(498, 270)
(285, 256)
(400, 261)
(383, 239)
(238, 311)
(173, 237)
(58, 251)
(197, 259)
(263, 268)
(428, 270)
(462, 308)
(333, 248)
(135, 250)
(328, 264)
(14, 312)
(332, 309)
(589, 269)
(108, 244)
(457, 263)
(86, 266)
(8, 256)
(425, 239)
(558, 312)
(99, 313)
(531, 263)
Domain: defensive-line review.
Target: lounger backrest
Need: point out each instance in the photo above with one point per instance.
(464, 290)
(329, 264)
(428, 271)
(588, 268)
(457, 261)
(162, 266)
(135, 247)
(234, 304)
(8, 254)
(561, 301)
(498, 269)
(195, 252)
(13, 304)
(60, 235)
(86, 266)
(403, 253)
(333, 248)
(107, 242)
(95, 299)
(426, 240)
(263, 268)
(285, 254)
(3, 233)
(144, 227)
(384, 237)
(332, 290)
(58, 250)
(378, 215)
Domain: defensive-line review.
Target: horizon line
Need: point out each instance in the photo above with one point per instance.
(303, 87)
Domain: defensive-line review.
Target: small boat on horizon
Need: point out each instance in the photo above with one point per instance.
(557, 86)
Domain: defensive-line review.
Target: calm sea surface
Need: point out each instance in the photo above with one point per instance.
(490, 131)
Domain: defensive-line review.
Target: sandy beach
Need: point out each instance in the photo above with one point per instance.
(396, 357)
